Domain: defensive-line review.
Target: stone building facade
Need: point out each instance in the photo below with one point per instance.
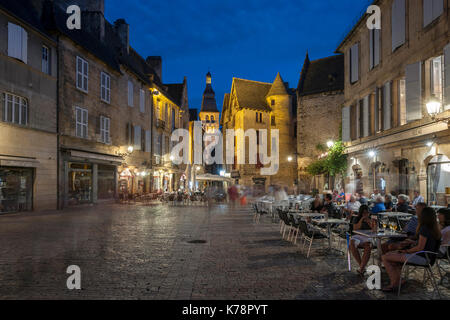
(104, 110)
(258, 105)
(320, 95)
(28, 96)
(394, 77)
(171, 112)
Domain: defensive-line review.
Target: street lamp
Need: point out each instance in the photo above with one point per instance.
(429, 144)
(330, 144)
(433, 106)
(372, 154)
(290, 158)
(130, 149)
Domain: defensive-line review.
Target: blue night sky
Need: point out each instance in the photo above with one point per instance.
(251, 39)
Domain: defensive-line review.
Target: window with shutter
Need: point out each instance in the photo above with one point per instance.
(398, 23)
(15, 109)
(137, 138)
(354, 63)
(432, 9)
(142, 101)
(346, 124)
(130, 94)
(387, 105)
(17, 42)
(45, 60)
(402, 101)
(82, 74)
(81, 122)
(366, 116)
(105, 87)
(148, 139)
(414, 91)
(374, 38)
(377, 106)
(436, 77)
(447, 77)
(105, 130)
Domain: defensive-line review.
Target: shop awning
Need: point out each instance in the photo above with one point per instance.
(7, 161)
(212, 177)
(96, 156)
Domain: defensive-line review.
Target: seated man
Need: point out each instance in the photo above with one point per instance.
(417, 199)
(351, 206)
(411, 231)
(379, 205)
(402, 205)
(329, 206)
(388, 203)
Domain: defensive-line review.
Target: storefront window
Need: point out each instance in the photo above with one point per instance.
(16, 189)
(80, 183)
(438, 174)
(106, 182)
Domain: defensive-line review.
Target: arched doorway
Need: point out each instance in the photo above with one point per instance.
(438, 180)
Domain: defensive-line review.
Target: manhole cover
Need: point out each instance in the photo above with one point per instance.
(197, 241)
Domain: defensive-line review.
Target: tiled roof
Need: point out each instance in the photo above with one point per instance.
(323, 75)
(28, 11)
(175, 91)
(252, 94)
(278, 87)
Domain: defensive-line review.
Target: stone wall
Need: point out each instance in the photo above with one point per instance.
(319, 120)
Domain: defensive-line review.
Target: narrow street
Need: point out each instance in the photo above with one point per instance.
(160, 252)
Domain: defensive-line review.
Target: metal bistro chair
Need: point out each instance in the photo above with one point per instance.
(257, 213)
(280, 215)
(442, 257)
(431, 258)
(295, 227)
(309, 236)
(286, 223)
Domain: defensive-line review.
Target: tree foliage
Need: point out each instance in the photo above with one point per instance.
(335, 163)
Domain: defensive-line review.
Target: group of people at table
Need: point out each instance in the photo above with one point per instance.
(425, 231)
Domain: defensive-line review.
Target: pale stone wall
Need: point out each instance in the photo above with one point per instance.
(421, 45)
(319, 120)
(22, 142)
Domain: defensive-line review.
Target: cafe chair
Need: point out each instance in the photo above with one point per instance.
(428, 271)
(309, 236)
(443, 257)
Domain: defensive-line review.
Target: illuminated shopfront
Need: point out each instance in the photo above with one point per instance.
(16, 189)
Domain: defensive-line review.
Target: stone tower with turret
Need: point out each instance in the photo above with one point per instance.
(280, 101)
(209, 114)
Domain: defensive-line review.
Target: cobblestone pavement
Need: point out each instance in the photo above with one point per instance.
(143, 252)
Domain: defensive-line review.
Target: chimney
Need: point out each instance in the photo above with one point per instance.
(156, 63)
(123, 32)
(92, 15)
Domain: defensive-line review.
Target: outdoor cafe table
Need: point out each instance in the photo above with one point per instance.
(298, 215)
(378, 236)
(329, 223)
(396, 215)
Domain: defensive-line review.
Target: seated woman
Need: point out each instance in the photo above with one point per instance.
(429, 237)
(317, 205)
(363, 222)
(444, 223)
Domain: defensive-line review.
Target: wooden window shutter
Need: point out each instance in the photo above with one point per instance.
(366, 116)
(414, 91)
(387, 106)
(346, 134)
(398, 23)
(447, 77)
